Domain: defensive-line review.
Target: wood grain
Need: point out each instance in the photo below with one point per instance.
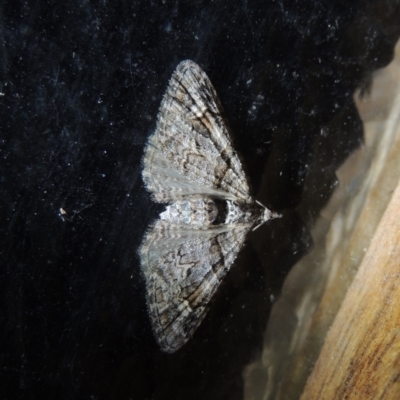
(360, 358)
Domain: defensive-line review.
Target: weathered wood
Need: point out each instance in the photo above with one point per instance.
(361, 355)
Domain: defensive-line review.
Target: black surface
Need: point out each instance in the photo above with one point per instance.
(82, 83)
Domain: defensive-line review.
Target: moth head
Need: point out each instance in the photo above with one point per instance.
(266, 215)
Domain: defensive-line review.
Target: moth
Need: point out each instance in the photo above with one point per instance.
(190, 164)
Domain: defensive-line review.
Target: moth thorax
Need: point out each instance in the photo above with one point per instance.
(236, 213)
(195, 211)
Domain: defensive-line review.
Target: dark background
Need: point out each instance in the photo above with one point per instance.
(82, 82)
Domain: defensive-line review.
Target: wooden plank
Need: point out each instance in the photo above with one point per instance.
(360, 358)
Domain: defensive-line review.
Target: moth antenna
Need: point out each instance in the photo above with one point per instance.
(262, 223)
(260, 204)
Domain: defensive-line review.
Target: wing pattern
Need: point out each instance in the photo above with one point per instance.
(183, 269)
(191, 150)
(190, 156)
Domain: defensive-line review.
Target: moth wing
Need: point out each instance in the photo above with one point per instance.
(182, 269)
(191, 149)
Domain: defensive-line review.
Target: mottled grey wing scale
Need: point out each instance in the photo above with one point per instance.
(191, 150)
(183, 269)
